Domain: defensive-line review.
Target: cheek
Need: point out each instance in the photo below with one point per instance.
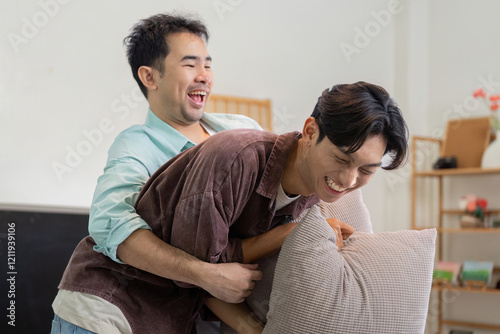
(181, 77)
(365, 179)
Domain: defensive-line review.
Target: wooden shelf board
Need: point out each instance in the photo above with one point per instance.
(459, 171)
(469, 324)
(464, 289)
(461, 212)
(468, 230)
(461, 230)
(429, 139)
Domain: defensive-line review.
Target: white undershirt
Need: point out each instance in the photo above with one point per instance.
(90, 312)
(282, 199)
(208, 128)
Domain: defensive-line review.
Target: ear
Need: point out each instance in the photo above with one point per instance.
(311, 130)
(147, 77)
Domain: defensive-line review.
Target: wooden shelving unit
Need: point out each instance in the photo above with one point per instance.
(439, 175)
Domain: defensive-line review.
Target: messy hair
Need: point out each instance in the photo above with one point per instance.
(348, 114)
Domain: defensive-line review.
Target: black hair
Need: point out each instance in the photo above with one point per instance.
(347, 114)
(147, 46)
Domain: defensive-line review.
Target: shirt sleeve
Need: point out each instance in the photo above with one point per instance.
(202, 222)
(113, 217)
(201, 228)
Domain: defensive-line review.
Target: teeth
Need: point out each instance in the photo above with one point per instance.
(333, 185)
(198, 92)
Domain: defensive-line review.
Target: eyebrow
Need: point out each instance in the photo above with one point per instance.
(377, 164)
(191, 57)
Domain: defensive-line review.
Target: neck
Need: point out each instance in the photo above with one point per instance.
(291, 181)
(192, 130)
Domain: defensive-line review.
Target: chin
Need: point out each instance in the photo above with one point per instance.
(330, 198)
(194, 115)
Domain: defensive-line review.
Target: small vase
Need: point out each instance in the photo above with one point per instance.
(491, 156)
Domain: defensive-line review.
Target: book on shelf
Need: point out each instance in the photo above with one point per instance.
(446, 272)
(480, 271)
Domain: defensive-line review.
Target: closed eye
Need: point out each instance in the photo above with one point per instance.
(340, 160)
(366, 171)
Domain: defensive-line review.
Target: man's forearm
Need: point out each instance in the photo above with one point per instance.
(231, 282)
(145, 251)
(237, 316)
(266, 244)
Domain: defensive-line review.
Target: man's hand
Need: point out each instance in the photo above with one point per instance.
(231, 282)
(342, 231)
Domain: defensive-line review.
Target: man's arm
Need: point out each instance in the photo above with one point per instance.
(238, 316)
(269, 243)
(115, 225)
(231, 282)
(266, 244)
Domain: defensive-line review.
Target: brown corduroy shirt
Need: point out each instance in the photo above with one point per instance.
(203, 201)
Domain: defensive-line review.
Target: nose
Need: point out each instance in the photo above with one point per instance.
(204, 76)
(349, 177)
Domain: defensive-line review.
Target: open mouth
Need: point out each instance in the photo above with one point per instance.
(198, 97)
(333, 186)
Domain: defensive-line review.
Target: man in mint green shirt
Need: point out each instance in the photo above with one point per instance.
(170, 62)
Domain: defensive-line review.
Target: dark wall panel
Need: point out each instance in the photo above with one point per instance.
(43, 243)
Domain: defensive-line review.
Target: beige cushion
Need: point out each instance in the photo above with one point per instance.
(350, 209)
(378, 283)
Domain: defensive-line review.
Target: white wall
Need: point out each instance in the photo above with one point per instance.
(65, 78)
(64, 75)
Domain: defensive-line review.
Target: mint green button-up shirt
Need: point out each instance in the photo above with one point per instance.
(134, 156)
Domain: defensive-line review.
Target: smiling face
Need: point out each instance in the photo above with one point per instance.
(187, 80)
(330, 172)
